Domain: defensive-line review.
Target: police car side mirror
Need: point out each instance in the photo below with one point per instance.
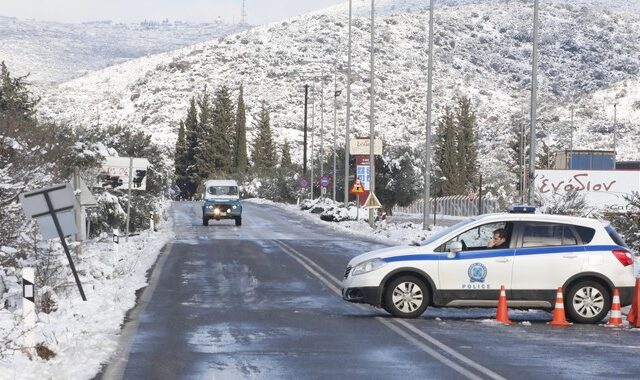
(454, 248)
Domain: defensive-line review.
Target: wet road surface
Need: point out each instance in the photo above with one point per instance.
(261, 301)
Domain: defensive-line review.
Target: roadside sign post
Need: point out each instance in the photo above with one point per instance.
(54, 205)
(357, 189)
(28, 308)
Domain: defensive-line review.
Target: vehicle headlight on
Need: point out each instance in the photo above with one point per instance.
(368, 266)
(235, 207)
(210, 207)
(216, 211)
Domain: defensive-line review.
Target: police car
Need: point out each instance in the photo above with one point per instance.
(455, 267)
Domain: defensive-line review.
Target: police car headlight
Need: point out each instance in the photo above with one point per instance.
(368, 266)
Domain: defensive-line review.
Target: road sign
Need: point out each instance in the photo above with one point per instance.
(357, 188)
(304, 183)
(54, 209)
(114, 173)
(325, 181)
(372, 202)
(63, 202)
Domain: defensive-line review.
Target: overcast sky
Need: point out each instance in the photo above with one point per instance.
(258, 11)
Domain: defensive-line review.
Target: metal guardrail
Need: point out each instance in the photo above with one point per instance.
(454, 205)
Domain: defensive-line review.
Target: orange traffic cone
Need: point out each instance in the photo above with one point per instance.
(558, 312)
(502, 314)
(615, 320)
(634, 313)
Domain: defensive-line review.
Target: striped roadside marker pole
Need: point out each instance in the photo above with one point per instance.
(28, 308)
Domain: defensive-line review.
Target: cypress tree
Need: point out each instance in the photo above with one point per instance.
(204, 152)
(240, 141)
(223, 132)
(446, 153)
(192, 140)
(285, 160)
(466, 141)
(264, 150)
(181, 164)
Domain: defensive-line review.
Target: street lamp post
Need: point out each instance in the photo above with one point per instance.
(313, 132)
(534, 94)
(372, 166)
(426, 210)
(346, 134)
(335, 122)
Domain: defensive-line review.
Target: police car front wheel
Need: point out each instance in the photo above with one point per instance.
(588, 302)
(406, 297)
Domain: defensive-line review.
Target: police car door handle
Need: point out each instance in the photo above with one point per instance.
(570, 256)
(502, 259)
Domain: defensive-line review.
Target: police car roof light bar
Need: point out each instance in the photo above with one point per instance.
(521, 209)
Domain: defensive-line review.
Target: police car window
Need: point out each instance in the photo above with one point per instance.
(547, 234)
(586, 234)
(476, 238)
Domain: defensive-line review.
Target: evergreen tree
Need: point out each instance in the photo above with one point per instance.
(192, 139)
(445, 155)
(285, 159)
(240, 141)
(181, 164)
(204, 151)
(466, 142)
(223, 133)
(518, 142)
(264, 150)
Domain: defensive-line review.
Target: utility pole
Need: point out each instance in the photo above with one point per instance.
(372, 124)
(322, 126)
(335, 121)
(534, 94)
(346, 134)
(571, 142)
(313, 132)
(615, 127)
(426, 210)
(304, 148)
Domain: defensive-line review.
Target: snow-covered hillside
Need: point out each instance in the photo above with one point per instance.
(57, 52)
(481, 50)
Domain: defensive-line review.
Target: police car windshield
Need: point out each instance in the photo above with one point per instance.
(445, 231)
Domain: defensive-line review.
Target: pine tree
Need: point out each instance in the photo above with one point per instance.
(240, 141)
(285, 159)
(192, 140)
(264, 150)
(466, 142)
(223, 133)
(181, 164)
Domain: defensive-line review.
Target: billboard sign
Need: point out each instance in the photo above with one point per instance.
(114, 173)
(362, 147)
(603, 189)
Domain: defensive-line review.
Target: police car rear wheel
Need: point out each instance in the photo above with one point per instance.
(406, 297)
(588, 302)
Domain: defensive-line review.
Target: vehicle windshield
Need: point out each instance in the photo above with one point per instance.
(223, 190)
(445, 231)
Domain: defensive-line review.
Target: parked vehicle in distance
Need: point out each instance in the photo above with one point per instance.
(221, 201)
(464, 266)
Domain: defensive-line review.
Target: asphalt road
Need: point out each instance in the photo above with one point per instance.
(262, 301)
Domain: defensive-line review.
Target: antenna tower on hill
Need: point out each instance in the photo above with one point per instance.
(243, 14)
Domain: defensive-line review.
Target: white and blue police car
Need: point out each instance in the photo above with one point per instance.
(455, 268)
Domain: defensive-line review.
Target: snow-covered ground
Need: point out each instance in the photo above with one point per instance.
(83, 335)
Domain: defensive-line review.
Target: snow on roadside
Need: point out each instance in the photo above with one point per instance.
(385, 231)
(84, 335)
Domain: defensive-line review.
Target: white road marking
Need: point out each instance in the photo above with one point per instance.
(329, 280)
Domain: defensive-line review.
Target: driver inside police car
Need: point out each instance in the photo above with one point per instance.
(499, 239)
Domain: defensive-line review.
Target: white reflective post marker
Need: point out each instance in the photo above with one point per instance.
(28, 308)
